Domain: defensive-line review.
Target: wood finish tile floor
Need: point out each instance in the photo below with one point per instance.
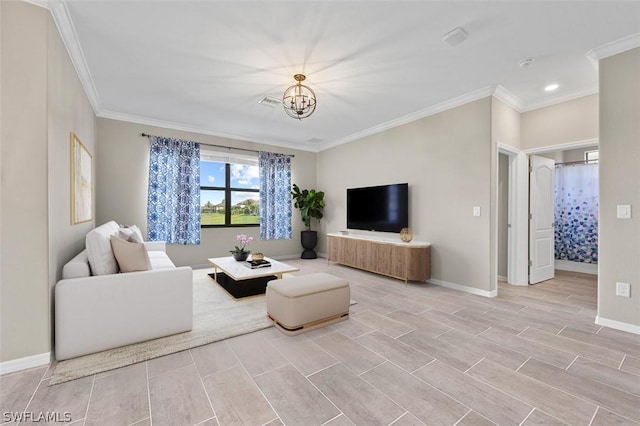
(409, 355)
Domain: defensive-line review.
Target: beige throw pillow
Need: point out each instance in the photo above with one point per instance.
(131, 257)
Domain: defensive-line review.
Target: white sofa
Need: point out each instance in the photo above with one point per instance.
(94, 313)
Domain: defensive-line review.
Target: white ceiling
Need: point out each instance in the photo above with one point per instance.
(203, 65)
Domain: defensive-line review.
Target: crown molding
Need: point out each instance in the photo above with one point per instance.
(62, 18)
(563, 147)
(113, 115)
(40, 3)
(559, 99)
(508, 98)
(613, 48)
(432, 110)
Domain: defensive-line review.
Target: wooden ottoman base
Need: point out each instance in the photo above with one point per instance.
(303, 303)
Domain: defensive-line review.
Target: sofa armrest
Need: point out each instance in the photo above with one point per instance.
(103, 312)
(78, 267)
(155, 245)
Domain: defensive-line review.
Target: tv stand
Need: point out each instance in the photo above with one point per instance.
(385, 256)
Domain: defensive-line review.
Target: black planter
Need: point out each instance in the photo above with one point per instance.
(309, 240)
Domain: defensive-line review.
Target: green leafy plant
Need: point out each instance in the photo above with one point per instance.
(310, 202)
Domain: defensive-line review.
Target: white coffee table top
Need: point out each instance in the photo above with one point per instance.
(238, 271)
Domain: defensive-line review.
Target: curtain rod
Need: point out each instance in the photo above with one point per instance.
(221, 146)
(577, 162)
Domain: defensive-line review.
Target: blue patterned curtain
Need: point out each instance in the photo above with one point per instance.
(275, 196)
(576, 213)
(173, 208)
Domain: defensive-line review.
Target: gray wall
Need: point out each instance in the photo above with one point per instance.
(572, 121)
(446, 159)
(122, 177)
(42, 102)
(24, 313)
(619, 239)
(506, 129)
(69, 111)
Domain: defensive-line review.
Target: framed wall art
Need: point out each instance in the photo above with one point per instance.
(81, 182)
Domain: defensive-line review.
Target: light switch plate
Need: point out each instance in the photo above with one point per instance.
(623, 211)
(476, 210)
(623, 289)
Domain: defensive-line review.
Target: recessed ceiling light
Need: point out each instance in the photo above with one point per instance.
(526, 62)
(455, 36)
(551, 87)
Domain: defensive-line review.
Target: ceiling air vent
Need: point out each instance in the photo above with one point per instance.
(270, 101)
(314, 140)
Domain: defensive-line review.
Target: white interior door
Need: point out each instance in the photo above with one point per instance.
(541, 210)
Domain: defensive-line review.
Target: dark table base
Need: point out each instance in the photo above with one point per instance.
(243, 288)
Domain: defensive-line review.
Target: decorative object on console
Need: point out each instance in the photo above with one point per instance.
(310, 202)
(81, 182)
(299, 101)
(406, 235)
(241, 253)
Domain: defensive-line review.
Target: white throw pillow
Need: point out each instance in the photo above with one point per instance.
(131, 257)
(131, 233)
(99, 249)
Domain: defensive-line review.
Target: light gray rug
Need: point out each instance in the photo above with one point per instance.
(216, 316)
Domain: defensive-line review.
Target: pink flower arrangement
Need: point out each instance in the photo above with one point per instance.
(244, 242)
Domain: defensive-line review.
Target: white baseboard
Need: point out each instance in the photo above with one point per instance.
(467, 289)
(24, 363)
(586, 268)
(618, 325)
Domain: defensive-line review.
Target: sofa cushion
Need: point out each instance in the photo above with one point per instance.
(131, 233)
(99, 250)
(131, 257)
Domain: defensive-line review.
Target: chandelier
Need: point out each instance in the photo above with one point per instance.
(299, 101)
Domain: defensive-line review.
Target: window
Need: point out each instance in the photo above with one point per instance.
(591, 156)
(229, 191)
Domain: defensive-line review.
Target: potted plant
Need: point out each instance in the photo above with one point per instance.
(310, 202)
(240, 253)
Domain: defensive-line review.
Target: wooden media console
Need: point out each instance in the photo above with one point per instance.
(405, 261)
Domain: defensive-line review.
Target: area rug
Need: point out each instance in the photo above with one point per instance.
(216, 316)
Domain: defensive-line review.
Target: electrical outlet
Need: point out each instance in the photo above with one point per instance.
(623, 211)
(476, 210)
(623, 289)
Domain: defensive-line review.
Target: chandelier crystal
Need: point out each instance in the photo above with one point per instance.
(299, 101)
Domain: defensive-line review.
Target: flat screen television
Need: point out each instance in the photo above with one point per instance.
(382, 208)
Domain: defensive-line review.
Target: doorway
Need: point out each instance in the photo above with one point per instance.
(515, 175)
(576, 209)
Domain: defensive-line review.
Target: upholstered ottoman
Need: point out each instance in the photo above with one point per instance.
(299, 304)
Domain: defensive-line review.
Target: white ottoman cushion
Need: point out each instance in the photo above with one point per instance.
(305, 301)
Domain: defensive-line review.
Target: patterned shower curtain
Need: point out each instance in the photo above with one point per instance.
(173, 206)
(275, 196)
(576, 213)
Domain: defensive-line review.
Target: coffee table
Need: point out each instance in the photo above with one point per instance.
(241, 281)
